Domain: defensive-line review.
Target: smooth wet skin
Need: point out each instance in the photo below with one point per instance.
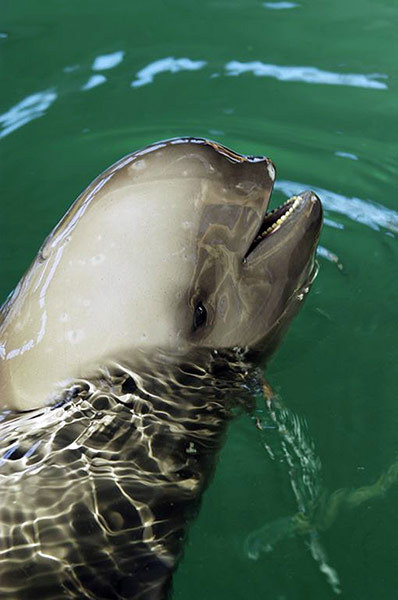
(157, 233)
(125, 355)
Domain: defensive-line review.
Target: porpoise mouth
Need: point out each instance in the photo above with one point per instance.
(275, 219)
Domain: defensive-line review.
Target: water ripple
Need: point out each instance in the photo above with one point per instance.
(31, 107)
(107, 61)
(305, 74)
(35, 105)
(365, 212)
(328, 255)
(93, 81)
(280, 5)
(169, 64)
(332, 223)
(346, 155)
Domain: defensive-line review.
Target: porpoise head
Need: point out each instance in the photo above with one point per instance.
(171, 248)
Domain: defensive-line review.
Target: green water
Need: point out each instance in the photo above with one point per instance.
(294, 82)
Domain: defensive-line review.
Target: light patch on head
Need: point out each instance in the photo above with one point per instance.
(75, 336)
(271, 171)
(137, 165)
(97, 260)
(19, 325)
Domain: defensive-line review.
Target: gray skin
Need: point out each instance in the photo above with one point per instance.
(122, 359)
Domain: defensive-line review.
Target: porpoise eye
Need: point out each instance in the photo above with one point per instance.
(200, 316)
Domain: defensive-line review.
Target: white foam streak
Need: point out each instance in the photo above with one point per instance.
(366, 212)
(305, 74)
(107, 61)
(31, 107)
(332, 223)
(346, 155)
(325, 253)
(163, 65)
(280, 5)
(93, 81)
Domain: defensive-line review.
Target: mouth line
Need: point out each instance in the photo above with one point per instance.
(274, 220)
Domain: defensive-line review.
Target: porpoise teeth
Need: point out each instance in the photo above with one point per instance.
(294, 201)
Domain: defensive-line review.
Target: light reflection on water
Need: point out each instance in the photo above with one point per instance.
(305, 74)
(362, 211)
(31, 107)
(94, 81)
(328, 255)
(35, 105)
(107, 61)
(280, 5)
(346, 155)
(166, 65)
(366, 212)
